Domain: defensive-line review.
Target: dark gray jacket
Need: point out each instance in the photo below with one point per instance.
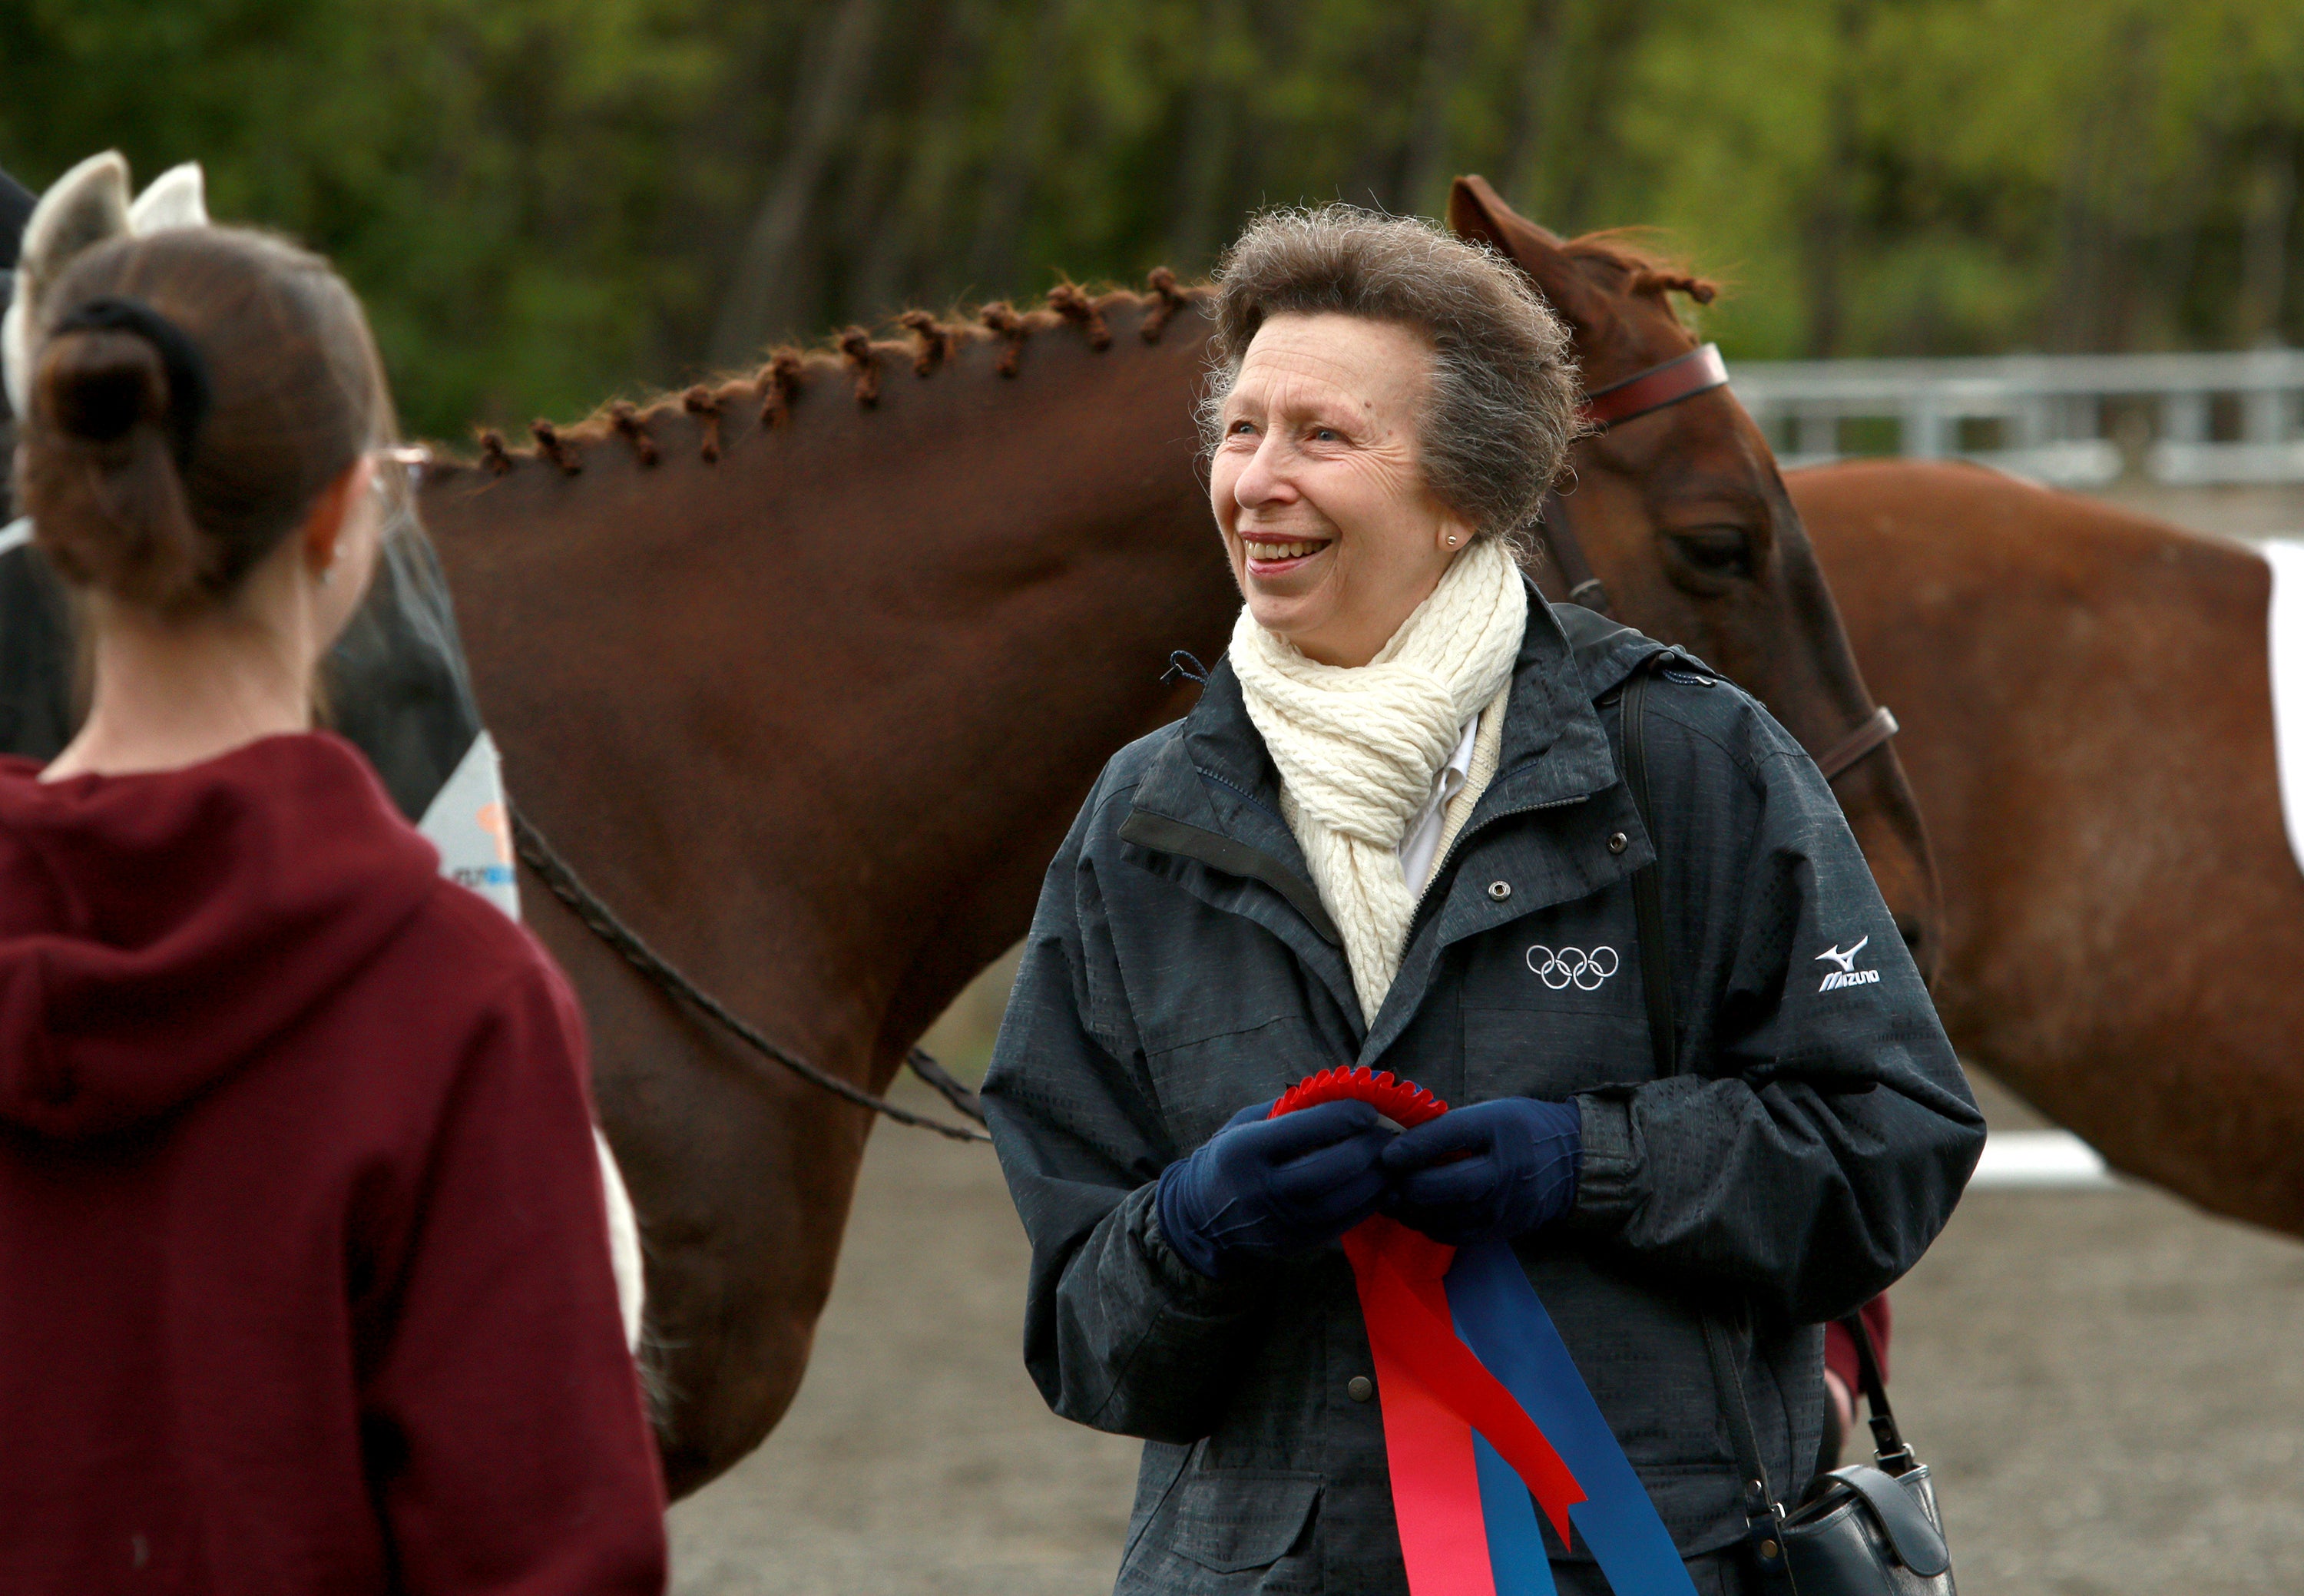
(1181, 967)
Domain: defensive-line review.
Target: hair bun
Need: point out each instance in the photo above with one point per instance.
(95, 385)
(188, 408)
(101, 402)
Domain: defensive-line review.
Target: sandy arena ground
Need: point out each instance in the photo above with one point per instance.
(2108, 1384)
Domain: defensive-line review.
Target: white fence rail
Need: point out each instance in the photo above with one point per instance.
(2074, 421)
(2039, 1160)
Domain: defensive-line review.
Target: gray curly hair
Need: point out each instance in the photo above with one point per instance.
(1504, 392)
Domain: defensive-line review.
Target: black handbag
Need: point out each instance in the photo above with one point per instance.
(1867, 1530)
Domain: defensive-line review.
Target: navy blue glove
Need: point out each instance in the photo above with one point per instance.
(1491, 1170)
(1265, 1188)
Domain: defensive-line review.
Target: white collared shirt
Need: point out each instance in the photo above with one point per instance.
(1420, 844)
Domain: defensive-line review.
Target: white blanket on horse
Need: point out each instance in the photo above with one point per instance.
(2286, 556)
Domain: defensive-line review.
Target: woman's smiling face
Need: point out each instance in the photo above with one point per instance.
(1333, 536)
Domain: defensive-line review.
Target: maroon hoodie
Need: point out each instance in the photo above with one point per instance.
(304, 1278)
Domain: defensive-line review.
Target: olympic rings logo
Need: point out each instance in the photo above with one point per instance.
(1572, 966)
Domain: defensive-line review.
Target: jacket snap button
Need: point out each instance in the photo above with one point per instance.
(1500, 890)
(1360, 1387)
(1618, 842)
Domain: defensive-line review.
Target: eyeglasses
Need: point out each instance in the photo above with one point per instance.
(411, 460)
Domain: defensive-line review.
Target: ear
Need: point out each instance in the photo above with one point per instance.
(177, 198)
(13, 356)
(85, 207)
(323, 528)
(1478, 213)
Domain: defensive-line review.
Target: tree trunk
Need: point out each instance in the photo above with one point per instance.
(912, 222)
(1824, 235)
(1211, 141)
(1008, 186)
(1612, 39)
(2270, 214)
(1539, 76)
(763, 294)
(1424, 171)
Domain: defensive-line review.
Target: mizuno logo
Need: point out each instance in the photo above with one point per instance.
(1847, 975)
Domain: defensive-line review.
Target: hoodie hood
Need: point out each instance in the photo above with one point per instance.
(157, 930)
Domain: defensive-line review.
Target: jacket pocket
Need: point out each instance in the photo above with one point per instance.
(1240, 1519)
(1526, 1052)
(1204, 1082)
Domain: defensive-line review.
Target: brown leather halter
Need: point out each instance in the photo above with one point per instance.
(1698, 371)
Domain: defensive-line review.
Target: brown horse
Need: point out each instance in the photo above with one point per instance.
(806, 675)
(810, 696)
(2089, 723)
(1683, 517)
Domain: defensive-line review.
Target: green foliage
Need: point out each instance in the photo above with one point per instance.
(490, 177)
(544, 201)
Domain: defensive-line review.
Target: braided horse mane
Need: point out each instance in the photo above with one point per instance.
(1639, 269)
(766, 396)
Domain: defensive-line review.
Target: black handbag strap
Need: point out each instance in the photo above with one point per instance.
(1648, 884)
(1760, 1505)
(1894, 1452)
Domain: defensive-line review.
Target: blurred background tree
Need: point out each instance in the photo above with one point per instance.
(547, 201)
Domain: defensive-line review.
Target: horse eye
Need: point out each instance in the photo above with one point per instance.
(1719, 553)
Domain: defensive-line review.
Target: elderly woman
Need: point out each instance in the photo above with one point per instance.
(1393, 823)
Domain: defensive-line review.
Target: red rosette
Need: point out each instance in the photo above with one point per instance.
(1403, 1102)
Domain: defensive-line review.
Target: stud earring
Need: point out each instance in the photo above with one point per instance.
(1452, 539)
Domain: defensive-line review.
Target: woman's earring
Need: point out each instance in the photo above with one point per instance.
(1452, 539)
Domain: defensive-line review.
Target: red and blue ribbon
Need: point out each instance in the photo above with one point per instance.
(1486, 1418)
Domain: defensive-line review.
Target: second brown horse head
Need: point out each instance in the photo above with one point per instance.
(1684, 518)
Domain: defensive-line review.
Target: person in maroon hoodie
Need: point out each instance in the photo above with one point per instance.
(304, 1273)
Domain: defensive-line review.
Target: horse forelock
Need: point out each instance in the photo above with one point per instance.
(1642, 267)
(764, 396)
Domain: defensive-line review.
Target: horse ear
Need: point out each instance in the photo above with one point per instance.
(177, 198)
(1477, 212)
(83, 208)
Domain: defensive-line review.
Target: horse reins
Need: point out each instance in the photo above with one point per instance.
(565, 885)
(1698, 371)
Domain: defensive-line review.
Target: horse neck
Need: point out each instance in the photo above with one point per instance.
(815, 715)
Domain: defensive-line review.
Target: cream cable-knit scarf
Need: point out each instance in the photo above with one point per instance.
(1358, 749)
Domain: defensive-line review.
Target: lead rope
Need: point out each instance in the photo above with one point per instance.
(563, 883)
